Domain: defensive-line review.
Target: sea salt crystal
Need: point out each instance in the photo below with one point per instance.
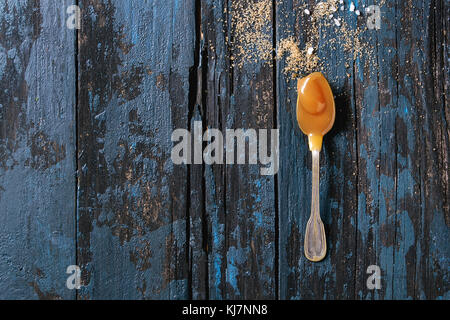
(352, 6)
(307, 11)
(342, 8)
(341, 1)
(357, 12)
(310, 51)
(337, 22)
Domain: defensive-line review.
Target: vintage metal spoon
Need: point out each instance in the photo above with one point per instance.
(315, 116)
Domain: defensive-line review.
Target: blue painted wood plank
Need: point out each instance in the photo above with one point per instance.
(134, 63)
(401, 196)
(240, 202)
(214, 24)
(424, 144)
(37, 149)
(141, 227)
(332, 278)
(198, 279)
(394, 210)
(376, 95)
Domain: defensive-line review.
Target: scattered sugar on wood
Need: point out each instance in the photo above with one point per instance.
(252, 25)
(252, 41)
(297, 61)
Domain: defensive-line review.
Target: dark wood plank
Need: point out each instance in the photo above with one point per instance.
(141, 227)
(240, 202)
(403, 216)
(376, 97)
(250, 196)
(198, 228)
(134, 63)
(215, 97)
(425, 137)
(394, 109)
(332, 278)
(37, 150)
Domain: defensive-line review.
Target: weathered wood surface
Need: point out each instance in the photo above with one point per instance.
(333, 278)
(384, 196)
(37, 150)
(240, 202)
(86, 176)
(135, 60)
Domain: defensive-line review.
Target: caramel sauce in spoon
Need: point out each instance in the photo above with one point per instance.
(315, 116)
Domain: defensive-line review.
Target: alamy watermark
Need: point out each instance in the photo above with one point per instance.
(374, 281)
(374, 17)
(74, 280)
(74, 20)
(189, 147)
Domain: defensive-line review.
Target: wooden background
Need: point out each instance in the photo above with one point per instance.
(86, 177)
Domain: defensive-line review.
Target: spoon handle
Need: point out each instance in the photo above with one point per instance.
(315, 242)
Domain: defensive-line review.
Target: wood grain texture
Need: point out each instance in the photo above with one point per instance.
(384, 204)
(134, 66)
(240, 202)
(37, 148)
(334, 277)
(401, 204)
(86, 177)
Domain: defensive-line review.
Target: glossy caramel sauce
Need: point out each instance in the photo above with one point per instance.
(315, 108)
